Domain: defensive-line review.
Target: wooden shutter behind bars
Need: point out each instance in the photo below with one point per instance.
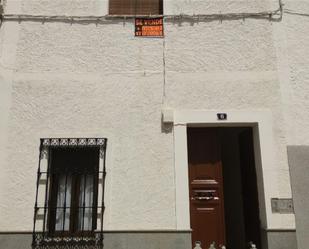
(135, 7)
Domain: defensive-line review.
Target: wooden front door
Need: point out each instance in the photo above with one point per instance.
(206, 187)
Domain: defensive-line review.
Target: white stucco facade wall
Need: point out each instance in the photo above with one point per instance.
(77, 80)
(9, 33)
(293, 38)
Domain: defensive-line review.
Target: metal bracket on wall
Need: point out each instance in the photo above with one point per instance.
(282, 206)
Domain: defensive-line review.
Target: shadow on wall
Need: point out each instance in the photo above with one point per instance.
(1, 11)
(166, 127)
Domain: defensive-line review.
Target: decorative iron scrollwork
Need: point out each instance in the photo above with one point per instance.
(43, 241)
(73, 142)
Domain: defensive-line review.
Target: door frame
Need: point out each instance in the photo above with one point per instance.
(266, 170)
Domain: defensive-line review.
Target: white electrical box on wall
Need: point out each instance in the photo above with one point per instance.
(167, 115)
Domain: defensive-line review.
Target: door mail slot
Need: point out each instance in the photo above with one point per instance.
(204, 195)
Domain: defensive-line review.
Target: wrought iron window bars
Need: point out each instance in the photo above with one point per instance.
(66, 212)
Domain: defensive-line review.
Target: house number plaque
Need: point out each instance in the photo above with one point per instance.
(222, 116)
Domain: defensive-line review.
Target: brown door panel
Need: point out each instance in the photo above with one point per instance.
(211, 215)
(206, 187)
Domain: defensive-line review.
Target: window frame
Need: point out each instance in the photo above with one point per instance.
(43, 235)
(74, 203)
(133, 8)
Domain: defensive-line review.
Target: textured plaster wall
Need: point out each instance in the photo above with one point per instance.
(9, 33)
(117, 110)
(171, 7)
(293, 33)
(85, 80)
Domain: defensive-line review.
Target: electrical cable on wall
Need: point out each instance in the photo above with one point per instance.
(164, 73)
(275, 15)
(182, 17)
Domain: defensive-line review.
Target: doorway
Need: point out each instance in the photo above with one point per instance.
(224, 208)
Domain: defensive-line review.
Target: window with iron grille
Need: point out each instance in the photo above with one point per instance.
(135, 7)
(69, 204)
